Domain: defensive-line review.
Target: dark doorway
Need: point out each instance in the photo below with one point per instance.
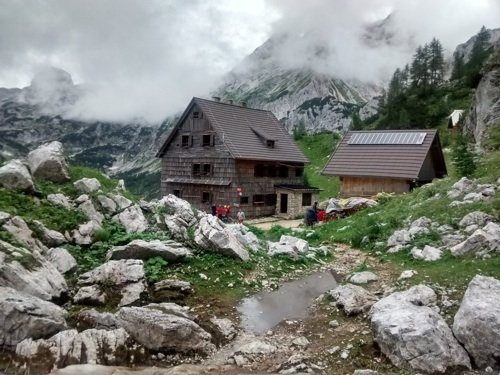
(284, 203)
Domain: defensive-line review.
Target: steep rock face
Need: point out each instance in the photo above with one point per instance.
(464, 50)
(485, 110)
(295, 94)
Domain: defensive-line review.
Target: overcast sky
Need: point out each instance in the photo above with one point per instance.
(146, 58)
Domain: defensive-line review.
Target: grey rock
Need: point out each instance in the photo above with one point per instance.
(475, 218)
(59, 199)
(481, 242)
(301, 342)
(72, 347)
(90, 295)
(213, 235)
(49, 237)
(84, 235)
(91, 318)
(471, 228)
(138, 249)
(23, 316)
(14, 175)
(450, 240)
(132, 219)
(365, 372)
(183, 287)
(407, 274)
(256, 347)
(245, 237)
(182, 218)
(276, 248)
(88, 207)
(157, 330)
(107, 204)
(225, 328)
(464, 185)
(413, 335)
(428, 254)
(61, 259)
(363, 277)
(399, 237)
(47, 162)
(170, 308)
(477, 321)
(474, 197)
(87, 185)
(353, 298)
(121, 201)
(29, 272)
(445, 229)
(82, 198)
(23, 234)
(131, 293)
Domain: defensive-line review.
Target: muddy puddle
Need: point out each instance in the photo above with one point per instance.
(264, 310)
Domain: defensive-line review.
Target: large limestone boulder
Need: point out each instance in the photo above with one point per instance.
(428, 253)
(181, 216)
(90, 210)
(481, 242)
(132, 219)
(59, 199)
(363, 277)
(413, 335)
(475, 218)
(61, 259)
(23, 316)
(49, 237)
(47, 162)
(108, 205)
(29, 272)
(288, 245)
(353, 298)
(171, 251)
(245, 237)
(400, 237)
(14, 175)
(71, 347)
(87, 185)
(164, 331)
(84, 235)
(213, 235)
(121, 202)
(477, 321)
(18, 228)
(125, 277)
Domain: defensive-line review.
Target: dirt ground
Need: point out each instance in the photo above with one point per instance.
(267, 223)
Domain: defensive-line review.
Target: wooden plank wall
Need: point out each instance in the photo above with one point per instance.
(365, 186)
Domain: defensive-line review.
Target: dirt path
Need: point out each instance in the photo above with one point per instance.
(267, 224)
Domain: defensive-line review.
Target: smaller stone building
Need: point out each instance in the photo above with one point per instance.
(293, 200)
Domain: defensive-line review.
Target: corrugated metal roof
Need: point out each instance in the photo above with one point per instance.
(198, 181)
(243, 129)
(400, 161)
(301, 188)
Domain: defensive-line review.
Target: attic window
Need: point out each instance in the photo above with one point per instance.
(270, 143)
(186, 141)
(207, 140)
(196, 114)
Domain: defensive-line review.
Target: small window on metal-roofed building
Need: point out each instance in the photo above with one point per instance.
(258, 199)
(243, 200)
(299, 172)
(270, 143)
(186, 141)
(207, 140)
(196, 114)
(196, 170)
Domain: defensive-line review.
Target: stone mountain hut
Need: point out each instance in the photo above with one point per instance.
(227, 154)
(370, 162)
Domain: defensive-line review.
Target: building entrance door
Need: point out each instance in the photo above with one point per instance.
(284, 203)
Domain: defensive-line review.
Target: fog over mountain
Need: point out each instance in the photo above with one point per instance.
(145, 59)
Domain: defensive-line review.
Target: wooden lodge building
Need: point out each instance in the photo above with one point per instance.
(370, 162)
(226, 154)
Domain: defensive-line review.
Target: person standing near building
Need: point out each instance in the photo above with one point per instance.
(241, 216)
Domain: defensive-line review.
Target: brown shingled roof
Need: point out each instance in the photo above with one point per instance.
(398, 161)
(243, 130)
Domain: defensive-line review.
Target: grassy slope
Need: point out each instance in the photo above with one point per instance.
(318, 148)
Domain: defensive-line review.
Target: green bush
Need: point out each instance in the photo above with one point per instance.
(154, 269)
(463, 157)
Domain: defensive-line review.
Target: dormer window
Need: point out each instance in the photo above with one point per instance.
(207, 140)
(270, 143)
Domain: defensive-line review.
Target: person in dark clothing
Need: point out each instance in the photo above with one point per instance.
(214, 210)
(311, 216)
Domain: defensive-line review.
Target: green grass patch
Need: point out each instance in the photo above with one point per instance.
(32, 208)
(318, 148)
